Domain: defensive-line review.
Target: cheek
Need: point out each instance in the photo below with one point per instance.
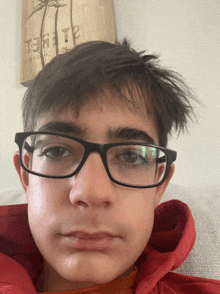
(45, 194)
(43, 201)
(43, 205)
(142, 228)
(139, 217)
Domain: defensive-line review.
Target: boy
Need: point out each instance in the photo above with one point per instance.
(94, 165)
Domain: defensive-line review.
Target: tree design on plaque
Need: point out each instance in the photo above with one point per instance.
(45, 5)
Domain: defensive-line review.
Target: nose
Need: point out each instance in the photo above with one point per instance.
(92, 187)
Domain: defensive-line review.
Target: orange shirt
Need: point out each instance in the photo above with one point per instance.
(119, 286)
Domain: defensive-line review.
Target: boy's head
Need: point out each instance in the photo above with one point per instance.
(89, 227)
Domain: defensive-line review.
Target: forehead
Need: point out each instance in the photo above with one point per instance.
(105, 114)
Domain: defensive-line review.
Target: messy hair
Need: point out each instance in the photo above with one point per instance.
(75, 78)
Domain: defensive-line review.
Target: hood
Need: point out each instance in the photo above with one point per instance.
(16, 242)
(171, 241)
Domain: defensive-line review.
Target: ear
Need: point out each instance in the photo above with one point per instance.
(162, 188)
(21, 172)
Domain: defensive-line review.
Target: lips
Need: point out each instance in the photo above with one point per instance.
(90, 242)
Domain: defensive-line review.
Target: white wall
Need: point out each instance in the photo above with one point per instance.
(11, 92)
(186, 33)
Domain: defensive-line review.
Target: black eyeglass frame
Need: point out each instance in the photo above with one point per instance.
(94, 147)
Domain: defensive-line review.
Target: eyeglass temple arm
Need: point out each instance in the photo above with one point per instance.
(28, 148)
(161, 159)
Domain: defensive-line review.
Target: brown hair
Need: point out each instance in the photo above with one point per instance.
(70, 79)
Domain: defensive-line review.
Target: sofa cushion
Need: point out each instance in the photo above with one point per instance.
(204, 259)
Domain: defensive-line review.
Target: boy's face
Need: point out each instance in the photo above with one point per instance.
(91, 203)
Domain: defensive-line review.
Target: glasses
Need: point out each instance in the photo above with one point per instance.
(58, 156)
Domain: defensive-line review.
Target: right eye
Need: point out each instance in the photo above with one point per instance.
(56, 152)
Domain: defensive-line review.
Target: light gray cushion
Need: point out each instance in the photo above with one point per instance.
(12, 196)
(204, 259)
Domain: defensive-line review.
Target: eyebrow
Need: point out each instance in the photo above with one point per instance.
(131, 134)
(62, 127)
(121, 133)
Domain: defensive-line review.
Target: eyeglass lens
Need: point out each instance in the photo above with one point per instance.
(58, 156)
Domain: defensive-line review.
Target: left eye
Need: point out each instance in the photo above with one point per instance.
(129, 156)
(132, 157)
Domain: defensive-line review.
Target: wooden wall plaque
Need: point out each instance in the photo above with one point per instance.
(52, 27)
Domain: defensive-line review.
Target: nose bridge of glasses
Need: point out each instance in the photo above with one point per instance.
(94, 147)
(99, 149)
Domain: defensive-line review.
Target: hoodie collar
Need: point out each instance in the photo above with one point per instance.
(172, 239)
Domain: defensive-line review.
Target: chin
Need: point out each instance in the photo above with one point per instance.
(78, 273)
(93, 277)
(88, 277)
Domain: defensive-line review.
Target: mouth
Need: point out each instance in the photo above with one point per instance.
(90, 242)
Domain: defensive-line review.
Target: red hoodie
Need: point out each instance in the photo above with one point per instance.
(171, 241)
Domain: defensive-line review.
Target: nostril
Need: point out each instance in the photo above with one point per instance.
(92, 202)
(81, 203)
(107, 204)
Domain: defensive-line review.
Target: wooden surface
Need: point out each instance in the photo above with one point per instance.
(53, 27)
